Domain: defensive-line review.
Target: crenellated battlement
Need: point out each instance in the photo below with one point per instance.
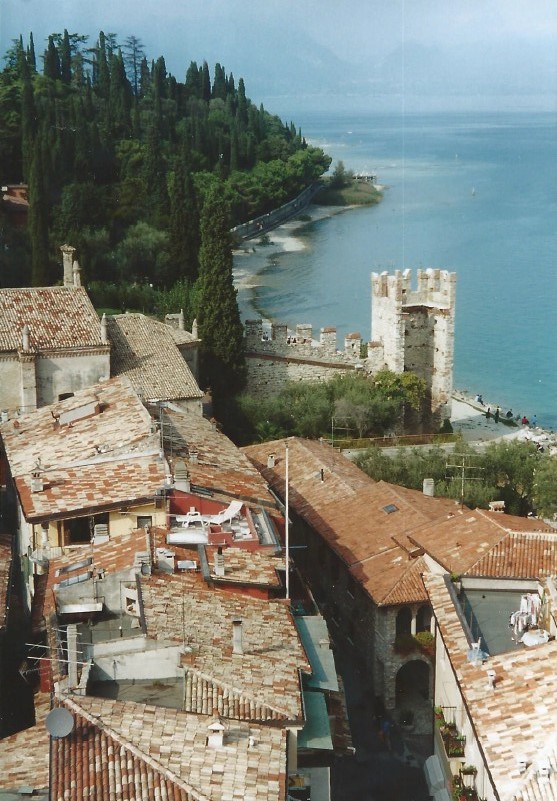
(435, 287)
(412, 329)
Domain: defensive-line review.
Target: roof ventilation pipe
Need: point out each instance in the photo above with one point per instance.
(219, 562)
(237, 644)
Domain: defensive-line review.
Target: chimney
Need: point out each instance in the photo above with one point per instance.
(491, 679)
(104, 330)
(216, 732)
(428, 487)
(193, 457)
(219, 562)
(194, 329)
(237, 645)
(76, 274)
(181, 322)
(67, 260)
(271, 460)
(36, 480)
(25, 337)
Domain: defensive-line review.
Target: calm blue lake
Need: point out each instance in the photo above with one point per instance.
(475, 194)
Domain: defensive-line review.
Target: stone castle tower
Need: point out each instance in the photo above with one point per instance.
(415, 329)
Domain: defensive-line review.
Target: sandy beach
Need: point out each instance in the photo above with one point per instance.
(469, 418)
(251, 258)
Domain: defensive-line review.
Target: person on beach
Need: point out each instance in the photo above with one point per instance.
(525, 421)
(509, 414)
(479, 400)
(488, 413)
(496, 415)
(534, 421)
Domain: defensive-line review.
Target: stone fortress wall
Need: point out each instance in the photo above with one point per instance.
(411, 330)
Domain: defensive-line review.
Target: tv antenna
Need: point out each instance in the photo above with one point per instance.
(463, 471)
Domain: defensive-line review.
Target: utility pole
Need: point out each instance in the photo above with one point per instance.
(463, 471)
(287, 527)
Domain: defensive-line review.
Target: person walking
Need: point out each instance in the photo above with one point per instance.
(496, 415)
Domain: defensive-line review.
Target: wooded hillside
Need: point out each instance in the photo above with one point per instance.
(119, 156)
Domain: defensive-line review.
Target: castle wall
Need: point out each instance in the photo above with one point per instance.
(412, 329)
(275, 359)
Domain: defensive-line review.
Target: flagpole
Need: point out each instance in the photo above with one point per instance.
(287, 528)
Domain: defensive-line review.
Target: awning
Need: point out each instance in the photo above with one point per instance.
(434, 775)
(316, 733)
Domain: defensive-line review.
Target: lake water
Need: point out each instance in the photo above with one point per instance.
(474, 194)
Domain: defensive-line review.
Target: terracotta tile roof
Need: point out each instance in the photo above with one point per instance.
(516, 719)
(458, 541)
(246, 567)
(106, 458)
(261, 683)
(5, 569)
(520, 556)
(129, 750)
(219, 465)
(362, 520)
(24, 756)
(88, 487)
(58, 317)
(380, 530)
(145, 351)
(410, 588)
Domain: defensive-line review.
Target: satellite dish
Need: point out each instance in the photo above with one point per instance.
(59, 722)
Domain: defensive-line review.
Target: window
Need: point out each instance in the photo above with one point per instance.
(144, 521)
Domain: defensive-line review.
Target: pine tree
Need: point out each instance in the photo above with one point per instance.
(218, 317)
(134, 53)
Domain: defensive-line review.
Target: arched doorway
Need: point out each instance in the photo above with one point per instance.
(412, 694)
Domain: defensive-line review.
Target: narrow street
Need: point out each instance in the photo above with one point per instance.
(375, 772)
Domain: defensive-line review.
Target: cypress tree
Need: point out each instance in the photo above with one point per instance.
(28, 126)
(223, 366)
(205, 82)
(31, 58)
(183, 227)
(65, 58)
(38, 219)
(51, 61)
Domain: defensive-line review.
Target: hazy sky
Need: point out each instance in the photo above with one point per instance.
(355, 31)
